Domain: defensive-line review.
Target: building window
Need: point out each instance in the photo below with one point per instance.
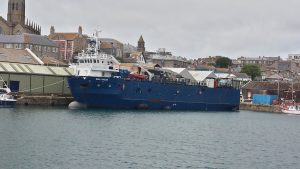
(1, 31)
(69, 45)
(18, 46)
(45, 49)
(8, 46)
(13, 6)
(40, 48)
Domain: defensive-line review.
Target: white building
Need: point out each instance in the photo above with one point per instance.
(295, 57)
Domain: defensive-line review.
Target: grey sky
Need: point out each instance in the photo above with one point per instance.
(190, 28)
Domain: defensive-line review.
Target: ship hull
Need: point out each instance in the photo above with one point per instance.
(7, 103)
(114, 93)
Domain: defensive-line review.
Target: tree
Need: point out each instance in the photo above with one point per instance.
(251, 70)
(223, 62)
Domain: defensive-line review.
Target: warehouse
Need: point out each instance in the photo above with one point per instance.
(28, 79)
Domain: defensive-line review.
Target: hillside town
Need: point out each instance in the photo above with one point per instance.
(29, 59)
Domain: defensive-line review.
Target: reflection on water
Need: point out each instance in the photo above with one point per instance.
(37, 137)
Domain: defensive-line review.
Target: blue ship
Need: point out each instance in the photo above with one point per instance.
(99, 82)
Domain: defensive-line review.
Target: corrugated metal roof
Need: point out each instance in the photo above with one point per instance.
(16, 67)
(200, 76)
(8, 67)
(35, 69)
(175, 70)
(25, 69)
(222, 75)
(59, 71)
(1, 69)
(40, 70)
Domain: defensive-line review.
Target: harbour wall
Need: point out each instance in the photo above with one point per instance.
(54, 100)
(45, 100)
(260, 108)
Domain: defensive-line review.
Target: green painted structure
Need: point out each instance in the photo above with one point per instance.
(26, 79)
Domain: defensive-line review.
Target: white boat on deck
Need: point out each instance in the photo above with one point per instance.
(291, 109)
(6, 99)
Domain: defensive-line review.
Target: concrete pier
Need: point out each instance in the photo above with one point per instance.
(260, 108)
(45, 100)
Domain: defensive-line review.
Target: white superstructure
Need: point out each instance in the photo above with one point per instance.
(93, 62)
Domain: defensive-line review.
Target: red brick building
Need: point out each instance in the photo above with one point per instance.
(70, 43)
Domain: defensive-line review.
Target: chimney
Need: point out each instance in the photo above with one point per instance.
(52, 30)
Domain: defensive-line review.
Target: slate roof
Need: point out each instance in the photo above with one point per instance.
(274, 76)
(28, 39)
(16, 56)
(205, 67)
(3, 20)
(50, 61)
(109, 40)
(241, 75)
(106, 45)
(64, 36)
(256, 85)
(136, 55)
(168, 57)
(261, 58)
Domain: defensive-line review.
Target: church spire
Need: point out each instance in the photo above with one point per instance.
(141, 45)
(141, 39)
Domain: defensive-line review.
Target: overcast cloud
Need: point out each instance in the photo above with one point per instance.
(189, 28)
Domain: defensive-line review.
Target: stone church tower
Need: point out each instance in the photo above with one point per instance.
(15, 23)
(16, 12)
(141, 45)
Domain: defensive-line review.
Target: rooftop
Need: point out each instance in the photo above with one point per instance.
(257, 85)
(16, 56)
(6, 67)
(27, 39)
(65, 36)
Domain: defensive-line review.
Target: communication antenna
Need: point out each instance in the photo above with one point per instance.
(98, 31)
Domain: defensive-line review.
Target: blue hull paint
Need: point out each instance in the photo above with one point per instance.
(132, 94)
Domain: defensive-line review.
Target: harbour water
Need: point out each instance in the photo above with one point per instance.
(58, 138)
